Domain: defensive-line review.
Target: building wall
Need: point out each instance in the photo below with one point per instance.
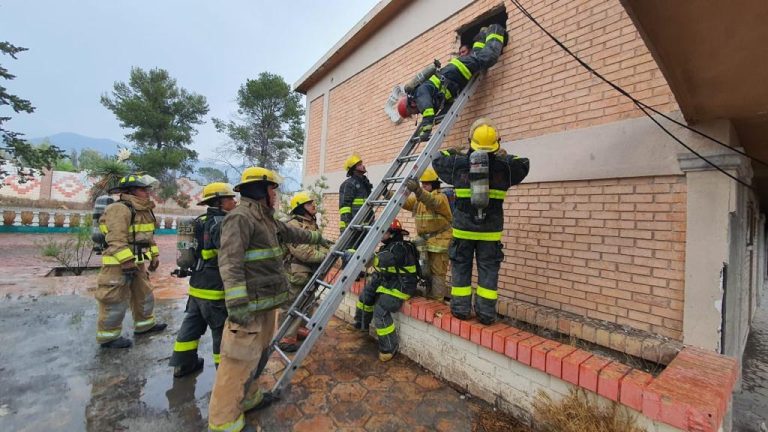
(534, 89)
(314, 129)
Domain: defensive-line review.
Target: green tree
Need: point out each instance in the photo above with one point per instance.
(89, 159)
(269, 126)
(163, 117)
(210, 175)
(14, 150)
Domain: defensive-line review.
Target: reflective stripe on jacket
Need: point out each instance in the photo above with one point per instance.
(505, 171)
(432, 213)
(250, 255)
(304, 258)
(206, 283)
(125, 240)
(352, 195)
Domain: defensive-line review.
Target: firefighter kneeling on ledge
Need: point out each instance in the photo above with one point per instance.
(394, 281)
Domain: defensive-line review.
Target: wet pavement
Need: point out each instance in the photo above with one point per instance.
(750, 406)
(53, 376)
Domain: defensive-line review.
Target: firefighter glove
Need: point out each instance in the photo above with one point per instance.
(240, 314)
(154, 264)
(425, 129)
(412, 185)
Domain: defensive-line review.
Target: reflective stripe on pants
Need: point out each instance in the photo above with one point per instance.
(115, 292)
(488, 256)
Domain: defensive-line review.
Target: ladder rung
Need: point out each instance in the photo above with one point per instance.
(301, 315)
(393, 179)
(284, 356)
(324, 283)
(408, 158)
(360, 227)
(378, 202)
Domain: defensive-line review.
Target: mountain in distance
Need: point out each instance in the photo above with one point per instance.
(68, 141)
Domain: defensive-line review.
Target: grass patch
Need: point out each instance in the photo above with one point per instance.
(578, 412)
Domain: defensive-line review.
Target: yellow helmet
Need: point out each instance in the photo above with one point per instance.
(300, 198)
(429, 175)
(216, 190)
(256, 174)
(351, 162)
(483, 136)
(134, 180)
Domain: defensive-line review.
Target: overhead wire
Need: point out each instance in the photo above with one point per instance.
(644, 108)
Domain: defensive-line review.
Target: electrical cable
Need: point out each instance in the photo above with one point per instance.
(641, 105)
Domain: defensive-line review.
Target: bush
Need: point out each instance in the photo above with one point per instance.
(72, 253)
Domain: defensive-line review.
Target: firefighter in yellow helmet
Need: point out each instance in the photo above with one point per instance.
(432, 212)
(481, 179)
(128, 225)
(353, 191)
(205, 305)
(250, 263)
(302, 259)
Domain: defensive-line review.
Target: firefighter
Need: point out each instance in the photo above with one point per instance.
(481, 179)
(436, 94)
(128, 225)
(433, 216)
(302, 259)
(353, 191)
(205, 305)
(394, 281)
(250, 263)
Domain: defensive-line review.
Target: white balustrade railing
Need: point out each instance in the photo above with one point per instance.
(19, 216)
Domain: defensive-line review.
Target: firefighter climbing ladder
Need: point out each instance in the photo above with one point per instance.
(328, 295)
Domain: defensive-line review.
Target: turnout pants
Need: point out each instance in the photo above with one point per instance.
(114, 292)
(235, 390)
(200, 314)
(297, 281)
(488, 255)
(379, 307)
(438, 265)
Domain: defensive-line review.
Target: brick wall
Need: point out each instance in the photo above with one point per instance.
(612, 250)
(313, 136)
(534, 89)
(607, 249)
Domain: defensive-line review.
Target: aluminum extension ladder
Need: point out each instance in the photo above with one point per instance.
(408, 164)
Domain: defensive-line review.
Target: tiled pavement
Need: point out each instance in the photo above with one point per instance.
(343, 386)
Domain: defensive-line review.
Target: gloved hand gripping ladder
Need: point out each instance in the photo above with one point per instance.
(408, 164)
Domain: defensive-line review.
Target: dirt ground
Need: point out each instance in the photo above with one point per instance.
(53, 375)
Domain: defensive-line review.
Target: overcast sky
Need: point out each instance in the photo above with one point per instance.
(78, 49)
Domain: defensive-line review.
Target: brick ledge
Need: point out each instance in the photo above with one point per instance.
(693, 393)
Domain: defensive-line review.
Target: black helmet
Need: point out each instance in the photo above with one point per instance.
(132, 181)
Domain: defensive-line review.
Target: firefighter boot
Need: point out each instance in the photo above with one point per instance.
(157, 328)
(120, 342)
(289, 345)
(180, 371)
(385, 357)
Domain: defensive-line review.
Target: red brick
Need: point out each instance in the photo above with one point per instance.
(609, 380)
(590, 370)
(511, 341)
(555, 359)
(456, 326)
(571, 365)
(500, 337)
(416, 307)
(632, 387)
(406, 309)
(427, 305)
(433, 309)
(486, 338)
(466, 328)
(525, 348)
(446, 322)
(475, 332)
(539, 354)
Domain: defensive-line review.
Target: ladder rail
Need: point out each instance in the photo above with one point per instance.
(328, 300)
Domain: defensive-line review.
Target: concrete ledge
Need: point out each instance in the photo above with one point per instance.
(507, 366)
(637, 343)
